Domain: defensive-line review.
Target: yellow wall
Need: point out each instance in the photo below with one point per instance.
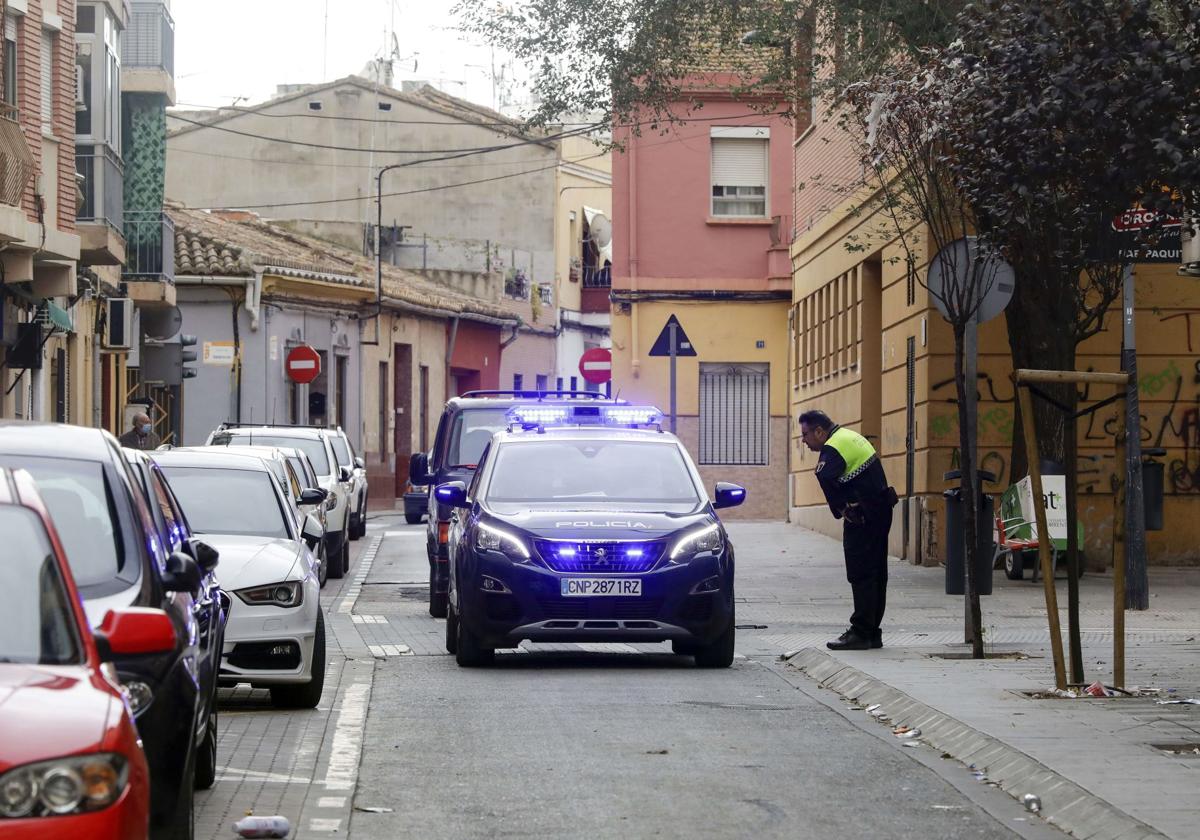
(573, 192)
(1168, 334)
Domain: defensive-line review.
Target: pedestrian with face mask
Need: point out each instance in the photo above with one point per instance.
(141, 436)
(856, 488)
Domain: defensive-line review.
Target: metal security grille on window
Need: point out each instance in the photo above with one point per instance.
(47, 79)
(734, 414)
(739, 177)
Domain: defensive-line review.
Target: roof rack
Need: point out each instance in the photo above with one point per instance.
(229, 424)
(536, 394)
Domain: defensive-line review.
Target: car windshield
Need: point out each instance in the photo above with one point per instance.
(589, 471)
(77, 496)
(314, 448)
(36, 622)
(228, 501)
(342, 450)
(472, 431)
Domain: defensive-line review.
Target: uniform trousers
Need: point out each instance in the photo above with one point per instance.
(865, 546)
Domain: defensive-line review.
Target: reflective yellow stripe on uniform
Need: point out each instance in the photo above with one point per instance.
(856, 451)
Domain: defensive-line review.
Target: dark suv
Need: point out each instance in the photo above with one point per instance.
(465, 429)
(118, 559)
(596, 531)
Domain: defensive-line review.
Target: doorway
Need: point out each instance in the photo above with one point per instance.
(402, 400)
(870, 278)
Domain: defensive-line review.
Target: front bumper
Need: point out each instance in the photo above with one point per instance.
(254, 633)
(535, 610)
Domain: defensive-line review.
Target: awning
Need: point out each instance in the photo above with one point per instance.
(56, 315)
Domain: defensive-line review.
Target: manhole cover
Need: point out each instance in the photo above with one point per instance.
(1179, 750)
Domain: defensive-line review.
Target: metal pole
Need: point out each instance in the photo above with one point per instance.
(966, 468)
(1120, 549)
(379, 250)
(1137, 593)
(672, 328)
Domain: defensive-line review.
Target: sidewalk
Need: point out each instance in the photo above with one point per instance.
(1094, 763)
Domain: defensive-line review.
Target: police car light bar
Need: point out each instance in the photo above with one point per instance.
(632, 415)
(541, 416)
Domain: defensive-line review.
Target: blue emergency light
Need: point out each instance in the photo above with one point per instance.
(542, 416)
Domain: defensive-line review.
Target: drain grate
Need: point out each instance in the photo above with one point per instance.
(1179, 750)
(963, 654)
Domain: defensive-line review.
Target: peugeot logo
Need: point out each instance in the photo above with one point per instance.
(601, 555)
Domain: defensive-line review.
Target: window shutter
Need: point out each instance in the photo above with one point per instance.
(10, 28)
(735, 413)
(47, 78)
(739, 163)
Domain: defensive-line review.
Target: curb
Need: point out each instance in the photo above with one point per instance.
(1064, 803)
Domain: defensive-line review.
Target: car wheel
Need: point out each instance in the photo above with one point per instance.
(355, 521)
(306, 695)
(720, 653)
(413, 518)
(182, 825)
(469, 652)
(337, 567)
(1014, 565)
(451, 631)
(345, 557)
(206, 759)
(323, 569)
(438, 601)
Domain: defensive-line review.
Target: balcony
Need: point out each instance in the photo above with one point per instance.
(16, 161)
(150, 245)
(148, 50)
(516, 285)
(100, 218)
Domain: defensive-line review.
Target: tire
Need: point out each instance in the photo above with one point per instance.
(345, 558)
(469, 652)
(413, 518)
(305, 695)
(337, 568)
(451, 631)
(183, 820)
(438, 601)
(354, 525)
(680, 648)
(323, 555)
(720, 653)
(1014, 565)
(206, 758)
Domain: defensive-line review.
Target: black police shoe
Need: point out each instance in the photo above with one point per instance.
(849, 640)
(877, 640)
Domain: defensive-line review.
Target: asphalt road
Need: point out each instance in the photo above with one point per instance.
(564, 742)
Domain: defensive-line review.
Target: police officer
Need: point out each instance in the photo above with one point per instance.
(857, 491)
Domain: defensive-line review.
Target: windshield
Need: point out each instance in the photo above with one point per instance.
(314, 448)
(228, 501)
(591, 470)
(342, 450)
(472, 432)
(77, 497)
(36, 623)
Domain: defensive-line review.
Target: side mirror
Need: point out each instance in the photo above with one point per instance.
(205, 555)
(453, 493)
(359, 462)
(312, 531)
(313, 495)
(729, 495)
(182, 574)
(418, 468)
(344, 474)
(135, 630)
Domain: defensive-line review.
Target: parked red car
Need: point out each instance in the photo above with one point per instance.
(71, 763)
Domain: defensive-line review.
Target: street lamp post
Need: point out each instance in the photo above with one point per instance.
(378, 245)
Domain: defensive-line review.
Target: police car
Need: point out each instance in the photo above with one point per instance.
(588, 523)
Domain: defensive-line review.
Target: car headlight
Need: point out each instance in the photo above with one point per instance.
(289, 594)
(63, 786)
(707, 538)
(491, 538)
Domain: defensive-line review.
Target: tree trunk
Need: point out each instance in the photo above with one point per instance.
(967, 439)
(1072, 483)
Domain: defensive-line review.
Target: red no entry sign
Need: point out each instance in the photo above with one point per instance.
(303, 364)
(596, 365)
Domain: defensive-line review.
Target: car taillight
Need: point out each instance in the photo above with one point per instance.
(443, 532)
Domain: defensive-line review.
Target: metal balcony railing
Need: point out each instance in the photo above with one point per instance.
(597, 278)
(103, 176)
(149, 40)
(149, 246)
(16, 161)
(517, 286)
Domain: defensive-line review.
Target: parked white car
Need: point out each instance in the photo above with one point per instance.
(346, 457)
(275, 635)
(317, 445)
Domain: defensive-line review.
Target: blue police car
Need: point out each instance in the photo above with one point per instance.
(588, 523)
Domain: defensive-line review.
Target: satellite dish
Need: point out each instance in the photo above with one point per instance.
(948, 269)
(161, 323)
(601, 230)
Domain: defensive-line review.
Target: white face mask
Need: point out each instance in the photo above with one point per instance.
(144, 429)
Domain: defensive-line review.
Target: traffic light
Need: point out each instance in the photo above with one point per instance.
(186, 356)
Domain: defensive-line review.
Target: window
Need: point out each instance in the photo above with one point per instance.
(734, 413)
(542, 381)
(175, 531)
(229, 501)
(828, 329)
(739, 172)
(48, 44)
(10, 60)
(518, 381)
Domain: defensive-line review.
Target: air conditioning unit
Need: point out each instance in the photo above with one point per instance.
(1191, 245)
(119, 317)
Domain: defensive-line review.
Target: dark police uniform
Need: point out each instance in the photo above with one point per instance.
(857, 491)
